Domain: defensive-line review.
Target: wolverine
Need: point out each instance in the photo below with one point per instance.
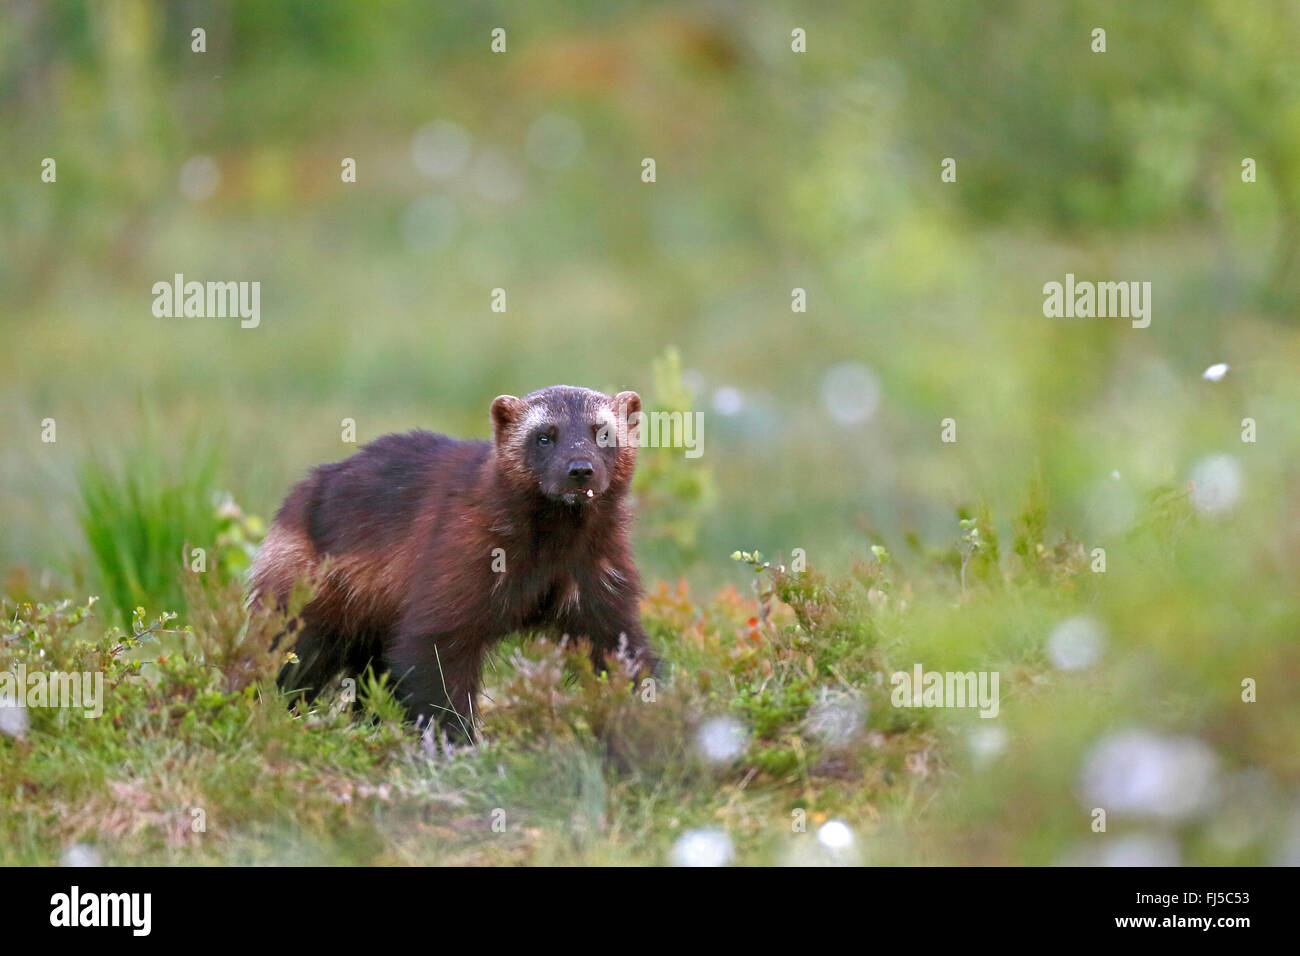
(424, 551)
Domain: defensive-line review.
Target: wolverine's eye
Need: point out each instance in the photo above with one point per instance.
(545, 439)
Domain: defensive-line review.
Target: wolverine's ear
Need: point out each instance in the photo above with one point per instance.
(627, 412)
(627, 403)
(506, 411)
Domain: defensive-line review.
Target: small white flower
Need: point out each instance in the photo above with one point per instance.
(80, 854)
(1141, 850)
(1216, 484)
(1216, 372)
(722, 739)
(13, 720)
(728, 400)
(836, 717)
(987, 743)
(1075, 644)
(851, 393)
(1146, 774)
(703, 848)
(835, 835)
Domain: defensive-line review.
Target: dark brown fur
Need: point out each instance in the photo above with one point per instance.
(402, 539)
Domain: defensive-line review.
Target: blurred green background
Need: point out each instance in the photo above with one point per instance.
(775, 171)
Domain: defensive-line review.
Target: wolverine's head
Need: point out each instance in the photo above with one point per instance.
(574, 445)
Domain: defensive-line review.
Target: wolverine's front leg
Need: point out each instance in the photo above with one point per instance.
(437, 677)
(614, 630)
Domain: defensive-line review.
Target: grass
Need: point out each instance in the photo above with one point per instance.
(787, 681)
(140, 523)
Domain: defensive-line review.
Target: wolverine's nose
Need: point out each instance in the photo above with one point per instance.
(580, 471)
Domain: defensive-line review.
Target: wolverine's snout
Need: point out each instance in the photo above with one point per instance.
(580, 471)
